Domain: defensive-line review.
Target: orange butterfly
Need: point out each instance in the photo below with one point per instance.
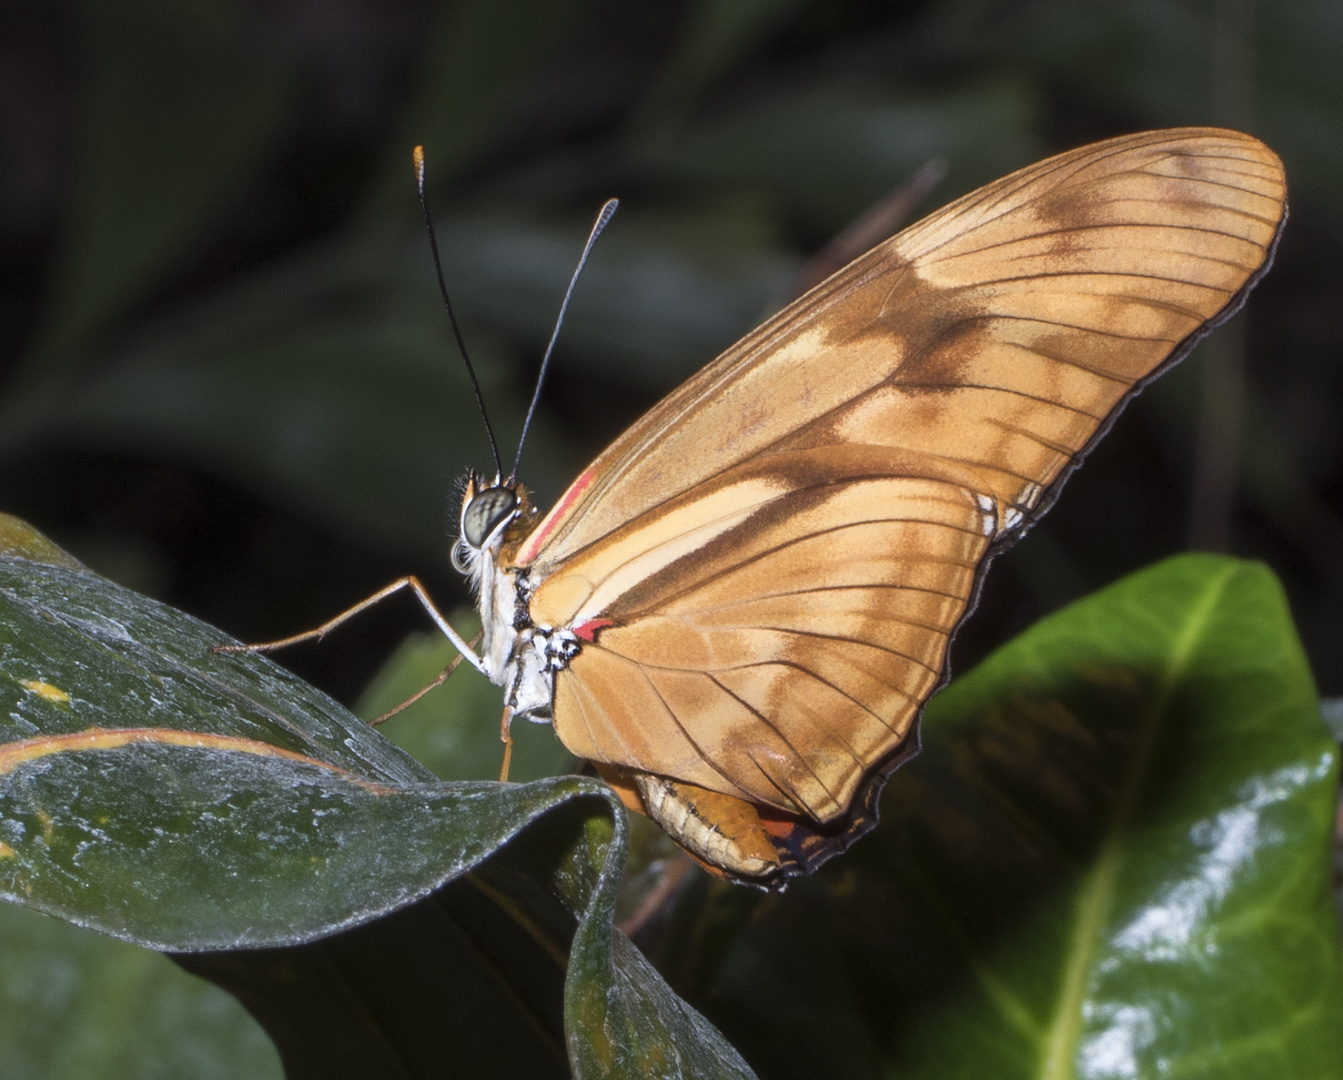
(738, 611)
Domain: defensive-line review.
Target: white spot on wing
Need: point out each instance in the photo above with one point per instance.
(989, 508)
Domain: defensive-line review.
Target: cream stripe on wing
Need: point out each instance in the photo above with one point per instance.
(904, 415)
(594, 583)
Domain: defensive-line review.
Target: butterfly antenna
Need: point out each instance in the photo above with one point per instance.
(603, 218)
(452, 318)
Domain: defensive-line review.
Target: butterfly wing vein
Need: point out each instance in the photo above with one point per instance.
(782, 549)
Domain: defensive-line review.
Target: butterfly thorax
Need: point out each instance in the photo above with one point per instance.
(518, 655)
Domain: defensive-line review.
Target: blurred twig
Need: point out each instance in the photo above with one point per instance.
(1216, 454)
(660, 896)
(881, 221)
(1213, 498)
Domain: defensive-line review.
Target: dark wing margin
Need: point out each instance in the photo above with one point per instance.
(946, 384)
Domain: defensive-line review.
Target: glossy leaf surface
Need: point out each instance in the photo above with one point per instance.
(185, 800)
(1111, 860)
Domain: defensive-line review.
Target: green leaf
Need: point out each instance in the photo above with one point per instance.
(1331, 710)
(455, 728)
(468, 981)
(20, 540)
(75, 1004)
(186, 800)
(1112, 859)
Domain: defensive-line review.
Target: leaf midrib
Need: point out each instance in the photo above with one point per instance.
(1097, 890)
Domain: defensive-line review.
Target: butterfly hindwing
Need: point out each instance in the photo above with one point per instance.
(767, 569)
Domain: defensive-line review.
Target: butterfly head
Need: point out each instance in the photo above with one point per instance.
(493, 515)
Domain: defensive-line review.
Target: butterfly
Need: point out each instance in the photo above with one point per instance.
(738, 611)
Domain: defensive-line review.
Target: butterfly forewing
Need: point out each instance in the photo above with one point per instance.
(768, 567)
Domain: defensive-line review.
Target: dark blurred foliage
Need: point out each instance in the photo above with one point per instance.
(228, 380)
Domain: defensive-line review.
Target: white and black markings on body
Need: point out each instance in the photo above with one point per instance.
(517, 654)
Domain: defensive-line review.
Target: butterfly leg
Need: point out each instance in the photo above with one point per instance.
(506, 734)
(442, 677)
(409, 582)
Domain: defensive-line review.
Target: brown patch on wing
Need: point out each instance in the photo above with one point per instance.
(780, 551)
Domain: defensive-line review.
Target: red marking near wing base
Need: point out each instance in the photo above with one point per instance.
(532, 547)
(778, 826)
(587, 631)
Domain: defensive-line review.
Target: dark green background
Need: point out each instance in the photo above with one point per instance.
(226, 380)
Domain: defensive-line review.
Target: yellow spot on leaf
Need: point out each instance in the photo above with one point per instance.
(7, 852)
(21, 539)
(45, 690)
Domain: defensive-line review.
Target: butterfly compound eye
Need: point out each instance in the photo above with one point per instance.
(485, 513)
